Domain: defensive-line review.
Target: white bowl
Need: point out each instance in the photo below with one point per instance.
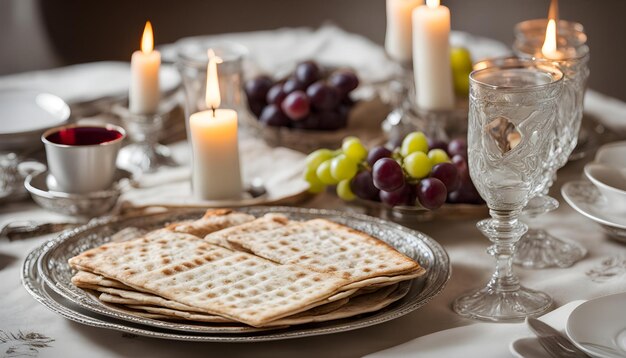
(613, 155)
(611, 182)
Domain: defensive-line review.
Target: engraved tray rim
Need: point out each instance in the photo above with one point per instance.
(433, 283)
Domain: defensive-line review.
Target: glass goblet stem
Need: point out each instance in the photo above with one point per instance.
(504, 230)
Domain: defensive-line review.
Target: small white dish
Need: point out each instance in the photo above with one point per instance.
(611, 182)
(25, 114)
(598, 326)
(586, 199)
(612, 154)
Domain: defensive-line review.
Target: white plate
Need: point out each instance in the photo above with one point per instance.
(585, 198)
(599, 326)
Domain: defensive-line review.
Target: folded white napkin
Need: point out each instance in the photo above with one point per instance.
(477, 340)
(86, 82)
(609, 111)
(329, 45)
(279, 169)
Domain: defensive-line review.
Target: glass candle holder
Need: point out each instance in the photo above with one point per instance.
(539, 249)
(512, 116)
(533, 32)
(192, 63)
(145, 154)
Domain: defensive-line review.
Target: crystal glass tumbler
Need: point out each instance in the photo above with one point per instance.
(192, 64)
(512, 116)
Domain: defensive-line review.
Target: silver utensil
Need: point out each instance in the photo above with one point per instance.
(19, 230)
(555, 343)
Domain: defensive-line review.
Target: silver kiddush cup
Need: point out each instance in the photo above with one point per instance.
(81, 158)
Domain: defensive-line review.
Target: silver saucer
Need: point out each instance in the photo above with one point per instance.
(83, 205)
(56, 275)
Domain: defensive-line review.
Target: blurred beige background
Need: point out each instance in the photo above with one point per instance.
(36, 34)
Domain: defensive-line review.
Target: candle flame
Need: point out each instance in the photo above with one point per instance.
(432, 3)
(212, 98)
(553, 13)
(147, 40)
(549, 45)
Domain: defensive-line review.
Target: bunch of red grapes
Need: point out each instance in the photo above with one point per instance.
(308, 99)
(418, 172)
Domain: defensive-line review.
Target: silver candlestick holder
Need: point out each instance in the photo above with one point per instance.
(145, 154)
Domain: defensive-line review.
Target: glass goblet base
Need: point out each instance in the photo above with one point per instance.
(538, 249)
(488, 304)
(146, 158)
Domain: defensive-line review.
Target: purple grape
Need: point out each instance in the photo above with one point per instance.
(457, 147)
(273, 116)
(461, 165)
(448, 174)
(362, 185)
(322, 96)
(387, 174)
(296, 105)
(256, 88)
(307, 72)
(345, 81)
(276, 94)
(431, 193)
(377, 153)
(405, 195)
(437, 144)
(466, 194)
(329, 120)
(292, 85)
(310, 122)
(347, 101)
(256, 107)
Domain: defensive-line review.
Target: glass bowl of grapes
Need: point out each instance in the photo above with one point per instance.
(420, 179)
(308, 109)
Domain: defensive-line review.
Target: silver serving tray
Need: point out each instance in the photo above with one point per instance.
(54, 274)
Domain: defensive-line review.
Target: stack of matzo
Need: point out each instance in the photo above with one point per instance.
(230, 268)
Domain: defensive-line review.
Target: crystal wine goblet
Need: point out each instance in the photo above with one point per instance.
(538, 248)
(512, 116)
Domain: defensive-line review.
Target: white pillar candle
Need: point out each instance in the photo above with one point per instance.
(144, 93)
(431, 56)
(398, 38)
(216, 173)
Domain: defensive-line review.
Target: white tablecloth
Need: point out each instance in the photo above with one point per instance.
(21, 316)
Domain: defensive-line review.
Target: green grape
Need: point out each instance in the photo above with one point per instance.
(344, 191)
(323, 173)
(460, 60)
(315, 184)
(342, 167)
(417, 164)
(316, 188)
(354, 149)
(461, 83)
(437, 156)
(316, 158)
(414, 142)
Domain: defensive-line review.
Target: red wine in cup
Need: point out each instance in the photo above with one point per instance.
(83, 136)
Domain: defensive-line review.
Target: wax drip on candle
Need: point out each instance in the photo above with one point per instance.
(213, 97)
